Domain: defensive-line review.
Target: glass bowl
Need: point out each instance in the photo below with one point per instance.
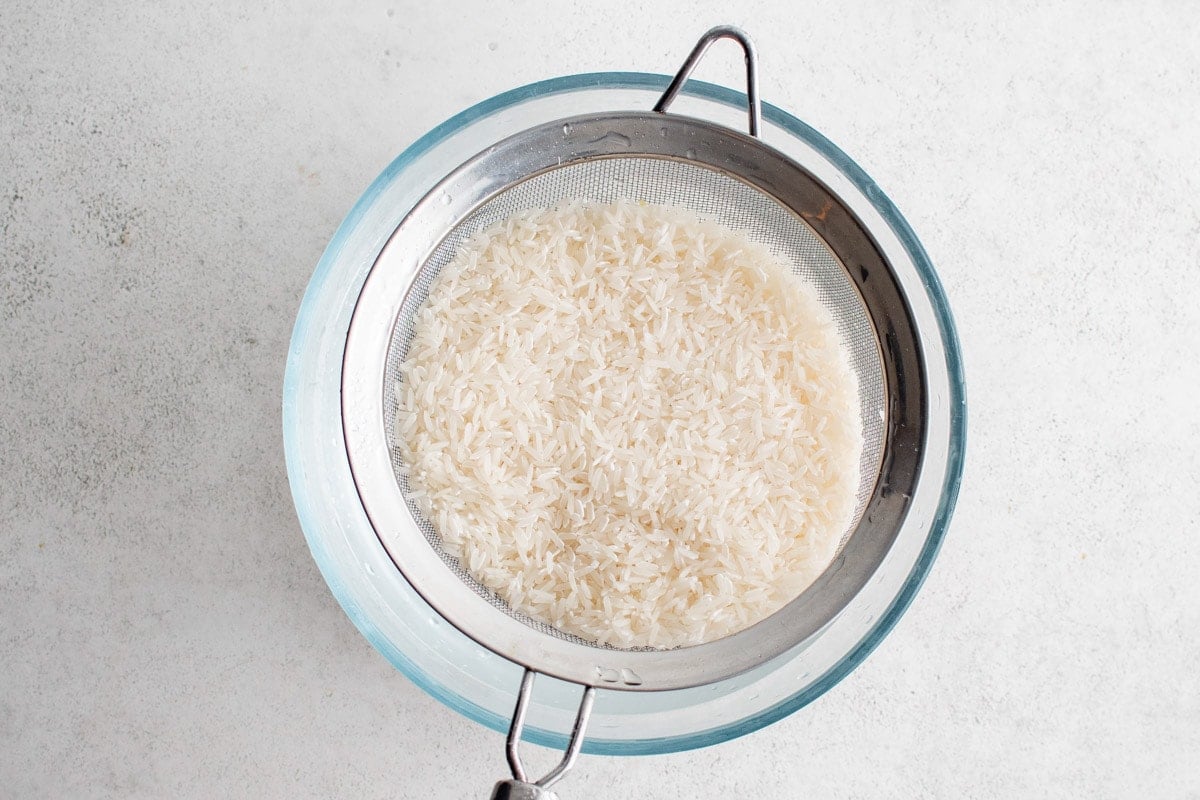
(434, 654)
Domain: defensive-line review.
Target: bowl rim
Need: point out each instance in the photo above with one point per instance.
(956, 403)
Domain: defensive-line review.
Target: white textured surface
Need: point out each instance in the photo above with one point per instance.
(168, 179)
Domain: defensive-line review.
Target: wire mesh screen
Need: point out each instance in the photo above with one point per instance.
(710, 194)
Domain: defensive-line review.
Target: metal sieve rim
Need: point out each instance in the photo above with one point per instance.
(651, 135)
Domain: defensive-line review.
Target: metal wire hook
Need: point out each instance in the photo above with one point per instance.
(521, 786)
(720, 32)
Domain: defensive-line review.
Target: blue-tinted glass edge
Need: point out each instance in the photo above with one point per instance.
(957, 401)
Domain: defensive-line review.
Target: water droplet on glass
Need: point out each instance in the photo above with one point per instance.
(662, 131)
(689, 153)
(446, 199)
(566, 129)
(370, 570)
(612, 138)
(608, 675)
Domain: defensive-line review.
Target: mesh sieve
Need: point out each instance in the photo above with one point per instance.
(737, 181)
(712, 194)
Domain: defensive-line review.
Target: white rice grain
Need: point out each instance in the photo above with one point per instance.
(630, 423)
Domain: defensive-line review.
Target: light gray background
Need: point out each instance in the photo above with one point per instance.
(169, 175)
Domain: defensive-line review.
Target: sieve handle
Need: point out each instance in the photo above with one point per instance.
(720, 32)
(520, 787)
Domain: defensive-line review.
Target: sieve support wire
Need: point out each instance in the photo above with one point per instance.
(754, 105)
(521, 786)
